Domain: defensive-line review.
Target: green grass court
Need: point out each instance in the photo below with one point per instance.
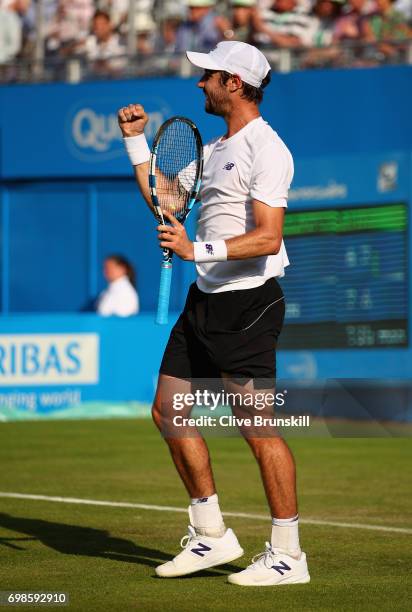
(104, 557)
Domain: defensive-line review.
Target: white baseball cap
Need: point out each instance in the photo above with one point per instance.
(200, 3)
(234, 57)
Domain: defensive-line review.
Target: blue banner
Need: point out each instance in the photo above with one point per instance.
(62, 130)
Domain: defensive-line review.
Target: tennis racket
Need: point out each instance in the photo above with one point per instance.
(175, 173)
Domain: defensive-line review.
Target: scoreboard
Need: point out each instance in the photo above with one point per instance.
(347, 285)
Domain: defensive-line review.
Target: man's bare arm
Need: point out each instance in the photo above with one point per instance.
(264, 239)
(132, 121)
(141, 174)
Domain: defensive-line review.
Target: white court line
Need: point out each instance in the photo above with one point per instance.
(257, 517)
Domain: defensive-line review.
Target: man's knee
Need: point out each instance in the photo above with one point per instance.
(157, 415)
(162, 416)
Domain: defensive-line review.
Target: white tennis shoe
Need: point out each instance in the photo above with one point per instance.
(201, 552)
(273, 567)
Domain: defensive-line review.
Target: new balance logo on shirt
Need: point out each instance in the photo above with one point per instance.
(200, 549)
(228, 166)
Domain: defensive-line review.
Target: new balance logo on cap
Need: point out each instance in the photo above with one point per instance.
(201, 549)
(281, 568)
(228, 166)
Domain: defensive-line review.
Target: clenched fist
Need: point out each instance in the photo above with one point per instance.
(132, 119)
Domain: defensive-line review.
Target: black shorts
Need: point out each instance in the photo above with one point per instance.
(233, 332)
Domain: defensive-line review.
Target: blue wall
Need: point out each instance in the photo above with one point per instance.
(56, 235)
(63, 130)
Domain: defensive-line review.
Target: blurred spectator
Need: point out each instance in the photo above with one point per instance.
(10, 32)
(325, 14)
(202, 29)
(285, 24)
(166, 9)
(349, 26)
(79, 12)
(22, 10)
(120, 297)
(385, 23)
(165, 37)
(242, 15)
(117, 9)
(145, 29)
(103, 46)
(323, 53)
(71, 24)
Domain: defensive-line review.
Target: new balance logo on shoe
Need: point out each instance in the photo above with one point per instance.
(200, 552)
(281, 568)
(200, 549)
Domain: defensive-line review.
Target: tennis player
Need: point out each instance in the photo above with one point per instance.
(234, 312)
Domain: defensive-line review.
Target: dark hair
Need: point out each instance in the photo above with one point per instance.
(337, 7)
(253, 94)
(100, 13)
(125, 263)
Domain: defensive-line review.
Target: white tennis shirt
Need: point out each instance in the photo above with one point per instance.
(118, 299)
(253, 164)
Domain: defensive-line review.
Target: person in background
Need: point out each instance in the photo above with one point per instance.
(385, 25)
(10, 31)
(325, 12)
(242, 20)
(349, 26)
(117, 9)
(103, 47)
(165, 37)
(79, 12)
(120, 297)
(323, 52)
(203, 28)
(145, 34)
(284, 25)
(68, 26)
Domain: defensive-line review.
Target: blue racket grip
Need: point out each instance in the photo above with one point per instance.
(164, 293)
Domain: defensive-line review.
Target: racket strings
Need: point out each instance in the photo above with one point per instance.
(177, 164)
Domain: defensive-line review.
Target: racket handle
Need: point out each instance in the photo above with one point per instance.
(164, 293)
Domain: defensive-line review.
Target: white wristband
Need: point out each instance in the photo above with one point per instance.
(210, 251)
(137, 149)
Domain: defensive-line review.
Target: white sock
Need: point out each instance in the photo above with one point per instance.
(285, 535)
(206, 517)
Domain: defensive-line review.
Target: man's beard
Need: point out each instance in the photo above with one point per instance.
(213, 106)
